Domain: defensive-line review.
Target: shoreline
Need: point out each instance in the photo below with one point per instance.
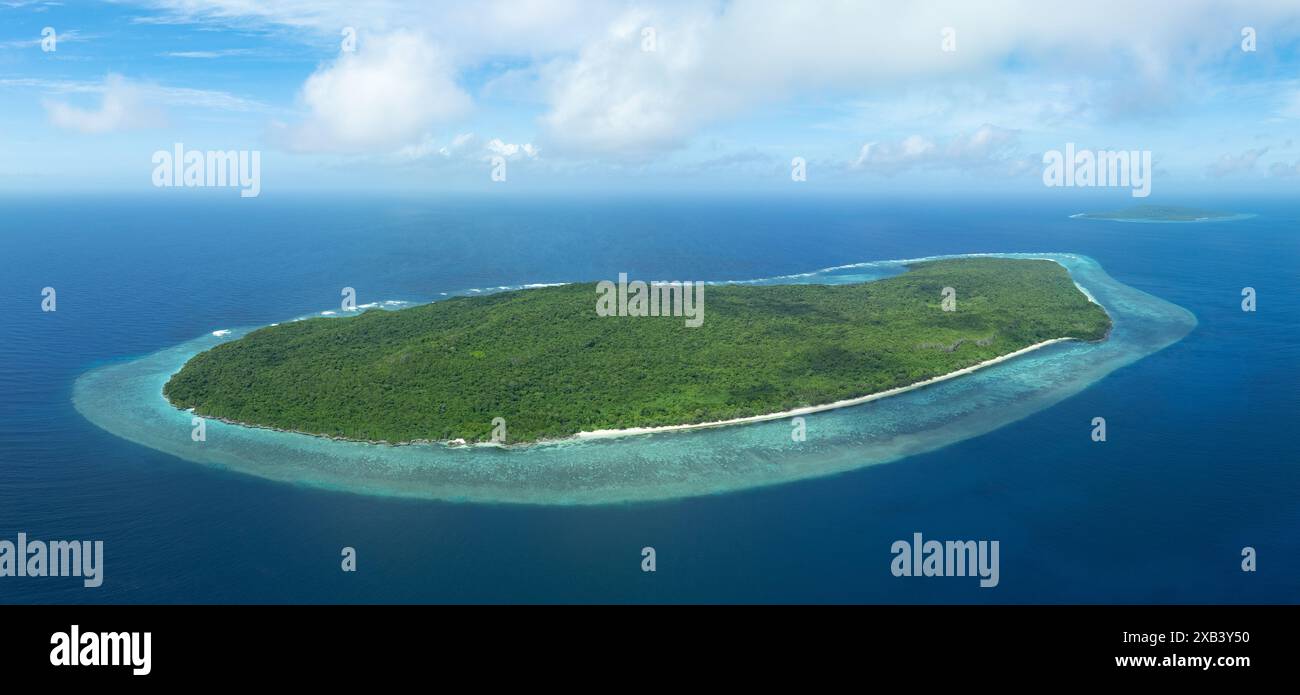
(810, 409)
(587, 435)
(634, 431)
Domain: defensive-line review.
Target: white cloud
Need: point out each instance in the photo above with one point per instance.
(987, 146)
(1282, 169)
(711, 65)
(1031, 103)
(911, 150)
(1018, 63)
(1290, 107)
(36, 5)
(618, 98)
(1229, 164)
(208, 55)
(383, 96)
(429, 146)
(510, 150)
(123, 106)
(124, 103)
(69, 36)
(201, 98)
(466, 147)
(465, 29)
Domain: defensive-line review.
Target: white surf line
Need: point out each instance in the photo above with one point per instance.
(807, 410)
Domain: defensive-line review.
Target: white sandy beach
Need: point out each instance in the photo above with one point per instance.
(599, 434)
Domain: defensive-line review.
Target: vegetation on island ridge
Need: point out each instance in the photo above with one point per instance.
(543, 359)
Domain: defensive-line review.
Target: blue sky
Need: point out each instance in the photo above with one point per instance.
(697, 97)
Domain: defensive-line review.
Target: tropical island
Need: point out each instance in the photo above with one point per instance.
(550, 367)
(1158, 213)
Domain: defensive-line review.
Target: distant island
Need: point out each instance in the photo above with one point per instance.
(1158, 213)
(544, 362)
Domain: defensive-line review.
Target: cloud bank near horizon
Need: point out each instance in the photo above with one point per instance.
(861, 89)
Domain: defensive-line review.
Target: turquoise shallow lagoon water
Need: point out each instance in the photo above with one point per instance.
(125, 398)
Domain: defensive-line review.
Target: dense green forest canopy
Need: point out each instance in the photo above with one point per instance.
(545, 362)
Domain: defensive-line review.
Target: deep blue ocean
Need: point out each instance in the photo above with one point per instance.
(1200, 461)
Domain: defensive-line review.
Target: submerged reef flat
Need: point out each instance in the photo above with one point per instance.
(126, 399)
